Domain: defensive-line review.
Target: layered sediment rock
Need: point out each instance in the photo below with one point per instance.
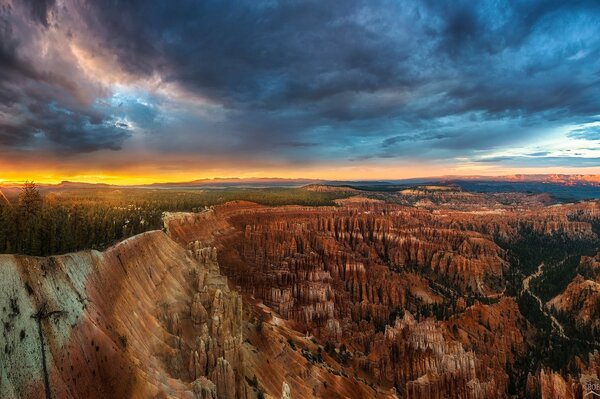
(143, 319)
(343, 274)
(547, 384)
(580, 301)
(148, 318)
(418, 356)
(244, 301)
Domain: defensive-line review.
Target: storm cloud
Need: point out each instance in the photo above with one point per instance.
(44, 100)
(301, 81)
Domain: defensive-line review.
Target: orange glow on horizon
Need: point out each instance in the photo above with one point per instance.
(359, 172)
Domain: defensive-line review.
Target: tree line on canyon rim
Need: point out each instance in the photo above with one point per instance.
(43, 223)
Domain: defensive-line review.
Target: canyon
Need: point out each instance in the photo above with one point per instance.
(413, 294)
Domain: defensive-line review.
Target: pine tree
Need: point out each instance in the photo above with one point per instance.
(29, 219)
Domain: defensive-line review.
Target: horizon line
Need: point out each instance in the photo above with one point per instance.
(307, 180)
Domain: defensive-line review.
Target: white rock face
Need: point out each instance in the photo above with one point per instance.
(146, 318)
(285, 391)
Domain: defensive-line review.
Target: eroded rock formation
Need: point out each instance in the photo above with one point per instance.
(580, 301)
(364, 300)
(143, 319)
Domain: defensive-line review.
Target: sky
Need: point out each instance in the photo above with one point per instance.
(142, 91)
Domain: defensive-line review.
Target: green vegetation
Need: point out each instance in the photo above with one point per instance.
(50, 223)
(379, 188)
(560, 256)
(555, 278)
(291, 343)
(547, 348)
(550, 349)
(341, 356)
(533, 249)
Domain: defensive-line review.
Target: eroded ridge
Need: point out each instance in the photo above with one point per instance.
(143, 319)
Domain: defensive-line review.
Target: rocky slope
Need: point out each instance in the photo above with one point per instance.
(359, 275)
(150, 319)
(364, 300)
(143, 319)
(347, 275)
(580, 301)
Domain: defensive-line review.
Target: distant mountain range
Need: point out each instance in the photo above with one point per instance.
(540, 178)
(259, 182)
(237, 182)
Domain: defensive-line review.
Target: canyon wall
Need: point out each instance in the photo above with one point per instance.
(363, 300)
(143, 319)
(354, 276)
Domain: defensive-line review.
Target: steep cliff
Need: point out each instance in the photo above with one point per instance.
(150, 318)
(580, 300)
(143, 319)
(345, 274)
(364, 300)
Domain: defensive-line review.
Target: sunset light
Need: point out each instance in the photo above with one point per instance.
(299, 199)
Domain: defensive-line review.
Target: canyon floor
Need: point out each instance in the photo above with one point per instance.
(427, 292)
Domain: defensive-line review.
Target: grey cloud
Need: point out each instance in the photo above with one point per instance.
(586, 133)
(313, 80)
(43, 105)
(522, 161)
(39, 9)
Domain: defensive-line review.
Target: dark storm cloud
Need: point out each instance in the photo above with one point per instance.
(252, 53)
(271, 54)
(41, 106)
(39, 9)
(310, 80)
(492, 27)
(341, 63)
